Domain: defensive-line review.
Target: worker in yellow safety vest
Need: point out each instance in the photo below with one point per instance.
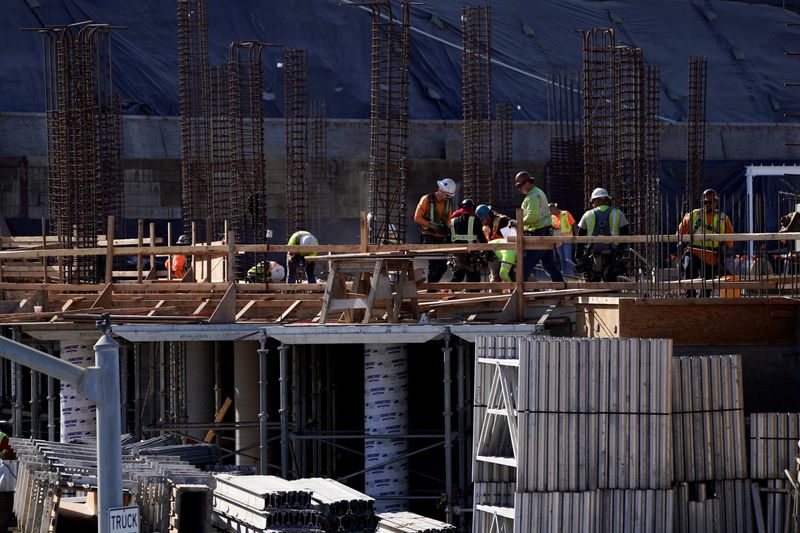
(604, 261)
(563, 225)
(296, 261)
(536, 219)
(705, 258)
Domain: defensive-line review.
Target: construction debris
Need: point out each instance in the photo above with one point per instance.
(411, 523)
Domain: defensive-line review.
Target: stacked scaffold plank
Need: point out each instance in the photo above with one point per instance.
(710, 459)
(774, 440)
(404, 522)
(342, 509)
(259, 503)
(159, 486)
(584, 425)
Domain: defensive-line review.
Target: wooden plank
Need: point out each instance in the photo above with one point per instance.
(231, 271)
(376, 274)
(110, 250)
(156, 308)
(225, 313)
(519, 291)
(364, 232)
(289, 311)
(241, 314)
(67, 305)
(139, 243)
(199, 309)
(218, 418)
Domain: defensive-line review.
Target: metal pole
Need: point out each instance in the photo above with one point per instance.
(123, 368)
(217, 385)
(51, 409)
(448, 429)
(462, 430)
(284, 410)
(34, 404)
(109, 449)
(16, 377)
(262, 404)
(137, 391)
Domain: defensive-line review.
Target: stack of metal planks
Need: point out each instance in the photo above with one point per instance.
(51, 473)
(258, 503)
(583, 426)
(708, 439)
(773, 451)
(342, 509)
(405, 522)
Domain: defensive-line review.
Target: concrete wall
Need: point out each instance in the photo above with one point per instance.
(152, 150)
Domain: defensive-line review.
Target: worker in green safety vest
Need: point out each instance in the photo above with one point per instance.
(601, 261)
(296, 261)
(537, 222)
(502, 263)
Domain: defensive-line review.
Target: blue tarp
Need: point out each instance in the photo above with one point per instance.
(531, 38)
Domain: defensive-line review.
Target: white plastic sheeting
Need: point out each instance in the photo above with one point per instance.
(78, 417)
(386, 413)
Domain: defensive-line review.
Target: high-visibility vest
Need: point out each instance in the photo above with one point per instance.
(494, 228)
(434, 217)
(468, 237)
(566, 227)
(699, 227)
(601, 221)
(536, 201)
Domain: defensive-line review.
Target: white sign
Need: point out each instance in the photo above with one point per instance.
(508, 232)
(124, 519)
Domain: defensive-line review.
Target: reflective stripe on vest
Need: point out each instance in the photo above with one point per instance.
(544, 211)
(699, 227)
(469, 237)
(445, 210)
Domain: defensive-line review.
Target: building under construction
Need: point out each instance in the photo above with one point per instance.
(149, 191)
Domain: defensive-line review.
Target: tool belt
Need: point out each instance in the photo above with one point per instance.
(540, 232)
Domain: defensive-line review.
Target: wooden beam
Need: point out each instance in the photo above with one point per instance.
(217, 419)
(110, 250)
(241, 314)
(289, 311)
(156, 308)
(364, 232)
(519, 290)
(140, 242)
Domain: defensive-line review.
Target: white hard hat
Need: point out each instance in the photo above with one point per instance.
(447, 186)
(276, 272)
(308, 240)
(599, 193)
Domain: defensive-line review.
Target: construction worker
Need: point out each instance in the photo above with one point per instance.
(433, 217)
(296, 261)
(705, 258)
(492, 221)
(536, 219)
(563, 225)
(602, 261)
(465, 228)
(274, 272)
(177, 263)
(502, 263)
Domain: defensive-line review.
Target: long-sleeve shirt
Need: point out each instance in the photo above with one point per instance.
(176, 263)
(536, 213)
(424, 216)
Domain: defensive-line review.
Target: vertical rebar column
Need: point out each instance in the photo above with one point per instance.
(655, 252)
(565, 168)
(84, 141)
(388, 133)
(627, 187)
(505, 149)
(295, 65)
(194, 107)
(322, 186)
(696, 129)
(249, 183)
(221, 163)
(598, 108)
(476, 88)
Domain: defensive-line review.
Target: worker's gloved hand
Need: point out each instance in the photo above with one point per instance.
(437, 227)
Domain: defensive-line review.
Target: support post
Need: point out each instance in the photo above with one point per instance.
(34, 404)
(123, 383)
(231, 241)
(51, 409)
(109, 449)
(152, 245)
(139, 243)
(44, 247)
(110, 250)
(448, 429)
(462, 429)
(137, 392)
(284, 410)
(519, 291)
(16, 377)
(364, 233)
(262, 404)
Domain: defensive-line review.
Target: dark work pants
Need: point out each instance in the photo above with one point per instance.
(298, 262)
(532, 258)
(436, 267)
(694, 267)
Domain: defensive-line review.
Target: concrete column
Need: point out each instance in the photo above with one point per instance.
(386, 413)
(245, 401)
(78, 415)
(199, 386)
